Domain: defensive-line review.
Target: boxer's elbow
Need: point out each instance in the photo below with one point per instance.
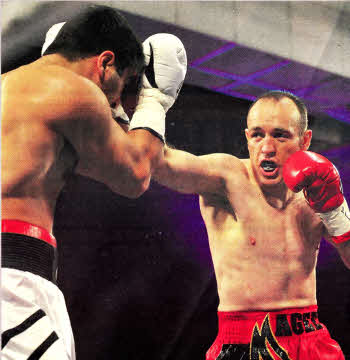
(138, 180)
(140, 184)
(131, 187)
(144, 165)
(136, 170)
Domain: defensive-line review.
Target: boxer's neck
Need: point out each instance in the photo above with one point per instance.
(84, 67)
(278, 196)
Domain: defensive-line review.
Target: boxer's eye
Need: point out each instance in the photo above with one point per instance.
(281, 135)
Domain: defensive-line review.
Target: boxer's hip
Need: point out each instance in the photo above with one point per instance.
(35, 321)
(288, 334)
(28, 247)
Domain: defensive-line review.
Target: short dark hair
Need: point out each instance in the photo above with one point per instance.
(280, 94)
(96, 29)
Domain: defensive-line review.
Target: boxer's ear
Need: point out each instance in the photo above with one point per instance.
(105, 61)
(306, 140)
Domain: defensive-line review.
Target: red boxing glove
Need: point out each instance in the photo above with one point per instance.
(317, 176)
(320, 181)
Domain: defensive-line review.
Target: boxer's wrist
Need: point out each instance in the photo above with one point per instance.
(149, 115)
(337, 223)
(119, 115)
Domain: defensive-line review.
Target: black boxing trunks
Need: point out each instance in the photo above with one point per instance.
(34, 322)
(290, 334)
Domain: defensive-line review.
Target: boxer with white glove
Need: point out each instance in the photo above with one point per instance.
(166, 63)
(166, 67)
(58, 119)
(321, 184)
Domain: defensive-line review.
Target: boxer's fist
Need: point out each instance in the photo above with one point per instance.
(166, 66)
(317, 176)
(320, 181)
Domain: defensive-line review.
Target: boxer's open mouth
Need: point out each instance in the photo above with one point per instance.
(268, 166)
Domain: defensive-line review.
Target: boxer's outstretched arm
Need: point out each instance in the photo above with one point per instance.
(122, 161)
(187, 173)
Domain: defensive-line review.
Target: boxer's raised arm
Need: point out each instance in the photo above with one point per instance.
(191, 174)
(123, 161)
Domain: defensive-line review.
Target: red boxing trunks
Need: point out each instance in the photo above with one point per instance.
(290, 334)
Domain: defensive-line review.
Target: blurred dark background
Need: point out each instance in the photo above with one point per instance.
(137, 274)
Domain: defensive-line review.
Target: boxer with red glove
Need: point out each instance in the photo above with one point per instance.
(320, 181)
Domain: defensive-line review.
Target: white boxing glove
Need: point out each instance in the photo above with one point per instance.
(166, 66)
(119, 115)
(166, 62)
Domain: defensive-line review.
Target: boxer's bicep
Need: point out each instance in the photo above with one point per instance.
(105, 152)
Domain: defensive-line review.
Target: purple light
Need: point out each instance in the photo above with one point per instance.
(324, 105)
(219, 73)
(302, 92)
(236, 94)
(340, 114)
(268, 69)
(252, 76)
(213, 54)
(338, 152)
(242, 79)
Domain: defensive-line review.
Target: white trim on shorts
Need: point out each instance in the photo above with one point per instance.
(34, 322)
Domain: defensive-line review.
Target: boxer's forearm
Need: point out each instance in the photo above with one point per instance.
(173, 171)
(140, 160)
(127, 168)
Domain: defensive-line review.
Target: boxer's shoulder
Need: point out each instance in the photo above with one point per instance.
(236, 167)
(231, 169)
(71, 85)
(67, 95)
(226, 161)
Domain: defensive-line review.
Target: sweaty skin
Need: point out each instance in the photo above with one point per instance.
(54, 117)
(264, 256)
(34, 157)
(264, 239)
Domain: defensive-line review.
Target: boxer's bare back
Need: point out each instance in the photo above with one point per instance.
(48, 112)
(34, 157)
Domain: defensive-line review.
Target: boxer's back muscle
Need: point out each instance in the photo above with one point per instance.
(34, 157)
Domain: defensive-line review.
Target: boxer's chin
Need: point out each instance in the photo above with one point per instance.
(269, 178)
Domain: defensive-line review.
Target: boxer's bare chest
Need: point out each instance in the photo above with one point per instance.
(269, 250)
(251, 221)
